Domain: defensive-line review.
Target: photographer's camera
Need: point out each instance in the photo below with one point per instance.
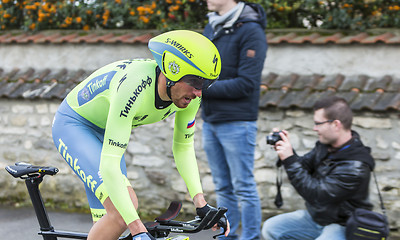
(273, 138)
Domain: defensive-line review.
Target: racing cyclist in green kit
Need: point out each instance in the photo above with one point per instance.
(93, 124)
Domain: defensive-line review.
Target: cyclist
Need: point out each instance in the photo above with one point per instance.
(92, 126)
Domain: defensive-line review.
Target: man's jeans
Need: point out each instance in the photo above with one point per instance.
(299, 225)
(230, 151)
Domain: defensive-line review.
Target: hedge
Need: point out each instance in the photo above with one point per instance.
(32, 15)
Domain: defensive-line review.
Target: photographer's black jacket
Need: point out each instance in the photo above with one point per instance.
(332, 182)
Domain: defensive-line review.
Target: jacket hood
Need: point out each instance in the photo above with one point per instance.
(253, 13)
(357, 152)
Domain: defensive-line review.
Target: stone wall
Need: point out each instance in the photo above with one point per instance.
(25, 135)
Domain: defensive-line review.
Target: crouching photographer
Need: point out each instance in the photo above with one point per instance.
(333, 178)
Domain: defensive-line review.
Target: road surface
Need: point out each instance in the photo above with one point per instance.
(21, 223)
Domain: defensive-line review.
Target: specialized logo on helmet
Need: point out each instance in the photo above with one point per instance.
(179, 46)
(173, 67)
(215, 62)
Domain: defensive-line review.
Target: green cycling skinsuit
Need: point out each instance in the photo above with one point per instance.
(92, 128)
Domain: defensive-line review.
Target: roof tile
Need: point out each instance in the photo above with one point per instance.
(365, 101)
(328, 39)
(278, 91)
(273, 37)
(389, 101)
(351, 39)
(380, 38)
(353, 82)
(305, 39)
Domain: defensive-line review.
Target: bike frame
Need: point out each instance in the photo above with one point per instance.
(160, 228)
(46, 229)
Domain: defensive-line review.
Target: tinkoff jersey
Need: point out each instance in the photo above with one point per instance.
(122, 96)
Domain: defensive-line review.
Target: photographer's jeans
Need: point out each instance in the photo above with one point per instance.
(299, 225)
(230, 151)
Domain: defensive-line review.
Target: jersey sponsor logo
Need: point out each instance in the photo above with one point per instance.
(121, 81)
(123, 66)
(140, 118)
(189, 135)
(191, 123)
(74, 163)
(97, 215)
(95, 86)
(179, 46)
(166, 114)
(135, 94)
(117, 144)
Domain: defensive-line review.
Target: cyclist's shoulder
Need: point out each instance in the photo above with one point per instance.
(137, 66)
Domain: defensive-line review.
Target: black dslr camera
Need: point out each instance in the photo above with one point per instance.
(273, 138)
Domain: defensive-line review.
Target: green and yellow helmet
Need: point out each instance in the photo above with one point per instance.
(181, 52)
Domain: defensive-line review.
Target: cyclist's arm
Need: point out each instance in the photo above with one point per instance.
(116, 138)
(183, 148)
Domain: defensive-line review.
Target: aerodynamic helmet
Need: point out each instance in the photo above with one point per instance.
(182, 52)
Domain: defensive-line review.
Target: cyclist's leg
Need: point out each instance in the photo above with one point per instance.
(97, 198)
(297, 225)
(79, 143)
(221, 177)
(111, 225)
(238, 140)
(333, 232)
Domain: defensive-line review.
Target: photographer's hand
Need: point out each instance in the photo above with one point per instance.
(283, 147)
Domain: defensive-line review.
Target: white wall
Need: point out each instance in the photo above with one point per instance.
(375, 60)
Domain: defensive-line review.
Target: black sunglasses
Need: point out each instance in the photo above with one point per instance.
(198, 83)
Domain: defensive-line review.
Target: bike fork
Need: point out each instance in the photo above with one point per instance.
(44, 222)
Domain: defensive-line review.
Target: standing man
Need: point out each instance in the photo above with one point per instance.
(230, 110)
(333, 178)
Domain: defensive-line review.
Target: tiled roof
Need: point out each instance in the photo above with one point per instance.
(362, 92)
(282, 91)
(75, 37)
(273, 36)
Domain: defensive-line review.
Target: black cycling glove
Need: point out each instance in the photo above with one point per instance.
(202, 212)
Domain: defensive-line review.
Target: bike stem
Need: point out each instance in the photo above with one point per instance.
(32, 184)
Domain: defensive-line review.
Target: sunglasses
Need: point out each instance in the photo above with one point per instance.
(198, 83)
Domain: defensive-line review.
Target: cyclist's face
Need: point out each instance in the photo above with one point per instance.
(182, 93)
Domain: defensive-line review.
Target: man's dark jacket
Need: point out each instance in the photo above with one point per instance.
(235, 96)
(333, 183)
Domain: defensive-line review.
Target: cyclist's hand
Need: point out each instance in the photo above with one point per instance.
(223, 222)
(143, 236)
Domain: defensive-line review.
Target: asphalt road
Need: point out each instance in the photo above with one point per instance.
(21, 223)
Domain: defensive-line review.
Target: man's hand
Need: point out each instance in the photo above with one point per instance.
(283, 147)
(143, 236)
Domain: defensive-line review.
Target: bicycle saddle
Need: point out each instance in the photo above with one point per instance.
(20, 169)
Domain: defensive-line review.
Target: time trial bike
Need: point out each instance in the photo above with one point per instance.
(160, 228)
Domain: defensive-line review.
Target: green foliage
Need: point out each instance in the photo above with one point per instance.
(191, 14)
(333, 14)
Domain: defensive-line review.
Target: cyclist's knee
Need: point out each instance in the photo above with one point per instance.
(113, 214)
